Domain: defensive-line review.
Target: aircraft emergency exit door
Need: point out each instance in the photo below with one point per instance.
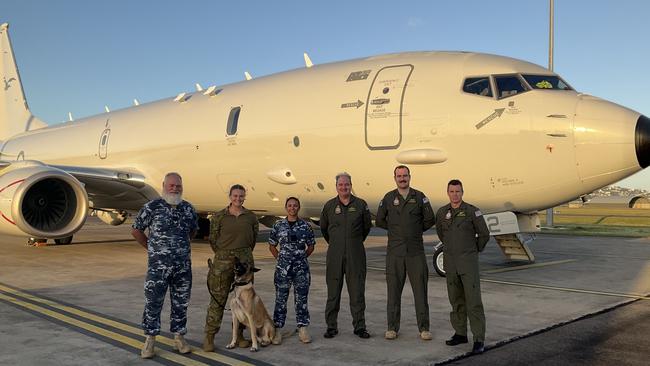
(384, 107)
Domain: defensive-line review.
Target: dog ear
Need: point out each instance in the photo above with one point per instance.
(256, 269)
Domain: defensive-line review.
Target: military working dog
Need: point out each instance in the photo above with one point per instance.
(248, 309)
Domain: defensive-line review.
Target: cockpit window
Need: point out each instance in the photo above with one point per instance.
(509, 85)
(546, 82)
(478, 86)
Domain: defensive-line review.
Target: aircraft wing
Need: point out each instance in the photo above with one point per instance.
(113, 188)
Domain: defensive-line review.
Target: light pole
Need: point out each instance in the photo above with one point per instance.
(549, 211)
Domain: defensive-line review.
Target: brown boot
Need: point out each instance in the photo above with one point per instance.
(241, 341)
(303, 335)
(208, 342)
(148, 347)
(180, 344)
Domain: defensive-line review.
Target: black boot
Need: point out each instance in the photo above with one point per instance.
(456, 340)
(478, 348)
(331, 332)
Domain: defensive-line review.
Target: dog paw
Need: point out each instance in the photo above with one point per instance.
(230, 345)
(265, 343)
(254, 349)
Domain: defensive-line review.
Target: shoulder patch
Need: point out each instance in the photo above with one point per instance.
(425, 200)
(381, 203)
(478, 213)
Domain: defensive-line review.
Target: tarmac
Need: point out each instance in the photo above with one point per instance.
(584, 301)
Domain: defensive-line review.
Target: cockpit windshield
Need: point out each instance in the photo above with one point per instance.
(546, 82)
(507, 85)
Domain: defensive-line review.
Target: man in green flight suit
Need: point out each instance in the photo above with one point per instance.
(406, 213)
(345, 223)
(464, 234)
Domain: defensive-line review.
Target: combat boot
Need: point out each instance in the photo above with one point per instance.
(241, 341)
(277, 338)
(208, 342)
(303, 335)
(148, 347)
(180, 344)
(390, 335)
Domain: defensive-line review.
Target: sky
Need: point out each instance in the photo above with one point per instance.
(78, 56)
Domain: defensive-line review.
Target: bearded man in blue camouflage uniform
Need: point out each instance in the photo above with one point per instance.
(296, 240)
(171, 222)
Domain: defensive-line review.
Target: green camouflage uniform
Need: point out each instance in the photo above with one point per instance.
(230, 237)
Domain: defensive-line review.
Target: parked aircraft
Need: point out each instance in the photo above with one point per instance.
(518, 135)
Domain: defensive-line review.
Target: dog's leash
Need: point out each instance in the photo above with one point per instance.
(222, 305)
(232, 287)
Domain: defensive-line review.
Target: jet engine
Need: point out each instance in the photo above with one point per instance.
(40, 201)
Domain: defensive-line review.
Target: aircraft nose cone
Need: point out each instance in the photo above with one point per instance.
(642, 141)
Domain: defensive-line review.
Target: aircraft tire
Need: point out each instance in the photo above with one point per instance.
(66, 240)
(438, 261)
(204, 229)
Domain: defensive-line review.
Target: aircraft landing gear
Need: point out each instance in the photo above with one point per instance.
(204, 229)
(66, 240)
(438, 260)
(36, 242)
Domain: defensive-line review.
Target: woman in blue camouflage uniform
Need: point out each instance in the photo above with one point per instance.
(295, 238)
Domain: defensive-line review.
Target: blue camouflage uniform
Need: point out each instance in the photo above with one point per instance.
(292, 268)
(169, 262)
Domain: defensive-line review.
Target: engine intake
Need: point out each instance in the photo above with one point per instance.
(42, 201)
(49, 204)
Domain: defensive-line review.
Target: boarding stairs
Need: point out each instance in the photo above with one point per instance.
(515, 246)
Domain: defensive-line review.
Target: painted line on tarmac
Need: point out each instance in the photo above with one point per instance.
(181, 360)
(568, 289)
(40, 305)
(568, 253)
(527, 266)
(532, 285)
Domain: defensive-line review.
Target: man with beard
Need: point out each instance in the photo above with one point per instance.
(406, 213)
(345, 223)
(171, 222)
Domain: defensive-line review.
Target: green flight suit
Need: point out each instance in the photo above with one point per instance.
(406, 220)
(345, 228)
(464, 234)
(230, 237)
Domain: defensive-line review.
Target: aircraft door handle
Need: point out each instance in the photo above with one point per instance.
(380, 101)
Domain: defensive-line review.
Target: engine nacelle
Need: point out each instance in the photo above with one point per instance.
(40, 201)
(114, 218)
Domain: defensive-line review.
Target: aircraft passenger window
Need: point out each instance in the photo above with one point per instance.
(478, 86)
(546, 82)
(233, 118)
(509, 85)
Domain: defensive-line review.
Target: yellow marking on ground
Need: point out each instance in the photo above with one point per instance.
(527, 266)
(101, 331)
(125, 327)
(568, 289)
